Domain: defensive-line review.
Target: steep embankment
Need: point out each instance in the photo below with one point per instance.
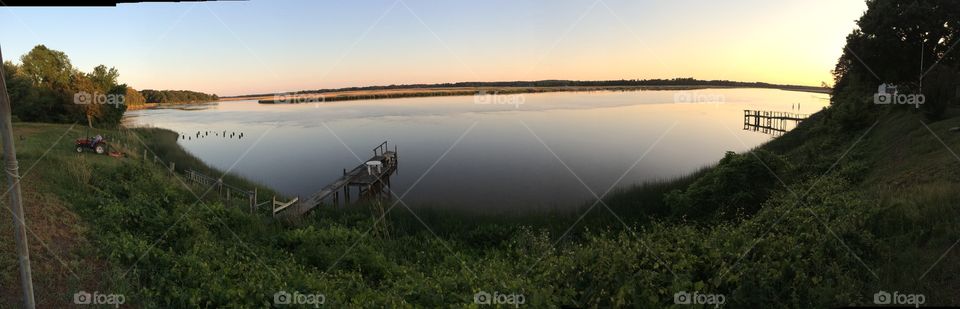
(862, 211)
(915, 181)
(59, 185)
(63, 258)
(906, 169)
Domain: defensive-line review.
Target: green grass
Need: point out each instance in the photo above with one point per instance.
(916, 184)
(163, 144)
(887, 207)
(63, 259)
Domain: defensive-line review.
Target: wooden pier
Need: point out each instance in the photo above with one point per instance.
(771, 122)
(368, 178)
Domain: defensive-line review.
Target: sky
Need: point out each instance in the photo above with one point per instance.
(268, 46)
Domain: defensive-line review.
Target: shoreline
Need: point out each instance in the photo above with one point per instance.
(146, 106)
(353, 95)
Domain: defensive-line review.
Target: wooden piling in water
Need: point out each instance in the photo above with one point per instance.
(770, 122)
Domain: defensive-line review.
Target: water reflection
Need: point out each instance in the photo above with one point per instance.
(483, 156)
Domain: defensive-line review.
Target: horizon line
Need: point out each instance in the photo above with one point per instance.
(448, 84)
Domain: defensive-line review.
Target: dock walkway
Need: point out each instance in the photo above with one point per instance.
(366, 178)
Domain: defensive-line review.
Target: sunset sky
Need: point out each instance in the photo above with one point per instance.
(260, 46)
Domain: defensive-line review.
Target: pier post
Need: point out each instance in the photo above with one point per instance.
(253, 201)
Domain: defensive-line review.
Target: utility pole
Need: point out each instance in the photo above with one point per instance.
(16, 204)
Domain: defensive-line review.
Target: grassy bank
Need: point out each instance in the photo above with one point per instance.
(816, 218)
(162, 143)
(66, 256)
(184, 105)
(136, 107)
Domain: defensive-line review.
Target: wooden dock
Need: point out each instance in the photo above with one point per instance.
(771, 122)
(368, 180)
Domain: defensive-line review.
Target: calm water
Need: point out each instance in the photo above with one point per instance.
(500, 163)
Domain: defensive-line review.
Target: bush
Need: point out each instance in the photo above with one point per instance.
(735, 188)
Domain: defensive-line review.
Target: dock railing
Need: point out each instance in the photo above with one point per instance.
(771, 122)
(382, 148)
(280, 206)
(360, 176)
(224, 190)
(774, 115)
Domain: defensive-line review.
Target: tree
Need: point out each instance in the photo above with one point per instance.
(85, 91)
(29, 102)
(940, 90)
(18, 88)
(105, 79)
(45, 87)
(897, 43)
(112, 114)
(47, 67)
(176, 96)
(133, 97)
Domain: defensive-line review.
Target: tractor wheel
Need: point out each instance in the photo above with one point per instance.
(79, 149)
(100, 149)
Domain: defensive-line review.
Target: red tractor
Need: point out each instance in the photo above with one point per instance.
(96, 143)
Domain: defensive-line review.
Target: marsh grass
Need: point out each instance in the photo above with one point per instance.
(163, 144)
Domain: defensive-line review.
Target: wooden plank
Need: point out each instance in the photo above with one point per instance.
(278, 207)
(358, 176)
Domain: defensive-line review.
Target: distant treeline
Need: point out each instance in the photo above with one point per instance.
(437, 92)
(177, 96)
(561, 83)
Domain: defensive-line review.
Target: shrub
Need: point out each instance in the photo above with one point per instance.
(735, 188)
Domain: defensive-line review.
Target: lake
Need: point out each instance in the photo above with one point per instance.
(491, 153)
